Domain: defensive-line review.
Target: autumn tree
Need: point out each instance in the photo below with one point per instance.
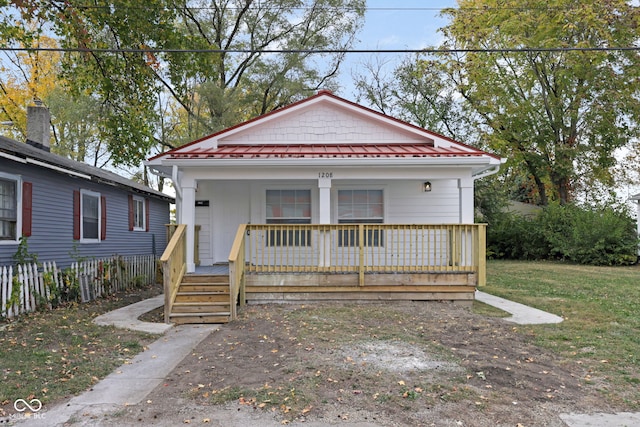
(25, 76)
(555, 84)
(418, 91)
(207, 57)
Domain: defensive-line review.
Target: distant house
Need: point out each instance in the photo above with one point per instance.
(67, 209)
(636, 199)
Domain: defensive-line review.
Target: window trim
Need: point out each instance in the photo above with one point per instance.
(18, 181)
(84, 192)
(142, 201)
(348, 238)
(292, 238)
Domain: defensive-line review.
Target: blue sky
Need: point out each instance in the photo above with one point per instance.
(394, 24)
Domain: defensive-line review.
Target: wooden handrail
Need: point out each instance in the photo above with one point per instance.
(237, 270)
(174, 266)
(171, 228)
(363, 248)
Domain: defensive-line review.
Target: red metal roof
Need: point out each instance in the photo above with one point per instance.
(237, 151)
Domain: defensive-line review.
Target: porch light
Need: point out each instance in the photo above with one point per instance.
(426, 187)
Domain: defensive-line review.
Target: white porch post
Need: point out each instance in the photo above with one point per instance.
(324, 185)
(324, 202)
(465, 185)
(188, 217)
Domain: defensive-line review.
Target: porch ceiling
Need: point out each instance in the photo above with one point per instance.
(300, 151)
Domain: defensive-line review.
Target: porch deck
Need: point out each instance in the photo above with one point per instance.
(347, 262)
(212, 270)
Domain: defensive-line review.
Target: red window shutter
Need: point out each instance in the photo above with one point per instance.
(130, 212)
(76, 215)
(146, 214)
(103, 224)
(27, 208)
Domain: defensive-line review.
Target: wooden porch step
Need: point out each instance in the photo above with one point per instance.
(205, 278)
(187, 318)
(204, 287)
(202, 297)
(200, 307)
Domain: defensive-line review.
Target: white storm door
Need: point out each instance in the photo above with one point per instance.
(231, 207)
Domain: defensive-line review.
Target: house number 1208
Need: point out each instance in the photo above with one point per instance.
(325, 174)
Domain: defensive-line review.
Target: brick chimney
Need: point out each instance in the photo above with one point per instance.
(38, 125)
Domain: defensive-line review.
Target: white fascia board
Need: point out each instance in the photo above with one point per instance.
(12, 157)
(333, 162)
(338, 174)
(57, 168)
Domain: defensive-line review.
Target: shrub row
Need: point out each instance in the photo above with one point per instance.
(603, 236)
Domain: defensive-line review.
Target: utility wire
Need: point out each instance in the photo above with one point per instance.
(323, 51)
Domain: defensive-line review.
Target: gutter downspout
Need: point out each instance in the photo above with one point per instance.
(174, 178)
(487, 172)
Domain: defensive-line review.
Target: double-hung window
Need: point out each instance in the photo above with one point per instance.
(288, 207)
(358, 207)
(139, 214)
(9, 209)
(90, 216)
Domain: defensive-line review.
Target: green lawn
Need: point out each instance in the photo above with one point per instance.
(53, 354)
(601, 308)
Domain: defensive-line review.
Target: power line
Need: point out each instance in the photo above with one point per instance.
(345, 8)
(322, 51)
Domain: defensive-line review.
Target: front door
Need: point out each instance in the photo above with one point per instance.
(231, 207)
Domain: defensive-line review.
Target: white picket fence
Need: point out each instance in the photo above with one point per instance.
(90, 279)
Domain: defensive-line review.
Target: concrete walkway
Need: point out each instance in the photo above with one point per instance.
(132, 382)
(127, 317)
(520, 313)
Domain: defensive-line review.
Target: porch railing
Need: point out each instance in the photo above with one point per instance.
(237, 270)
(174, 266)
(171, 228)
(362, 248)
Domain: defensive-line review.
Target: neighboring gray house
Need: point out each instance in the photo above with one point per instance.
(68, 209)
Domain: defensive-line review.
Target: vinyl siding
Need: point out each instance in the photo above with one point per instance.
(405, 203)
(52, 220)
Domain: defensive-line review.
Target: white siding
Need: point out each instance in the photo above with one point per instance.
(311, 126)
(236, 202)
(408, 204)
(203, 219)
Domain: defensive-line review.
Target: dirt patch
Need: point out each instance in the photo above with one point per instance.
(391, 364)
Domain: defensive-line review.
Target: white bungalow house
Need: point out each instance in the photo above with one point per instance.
(327, 193)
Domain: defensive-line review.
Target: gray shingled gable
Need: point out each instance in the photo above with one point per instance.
(22, 150)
